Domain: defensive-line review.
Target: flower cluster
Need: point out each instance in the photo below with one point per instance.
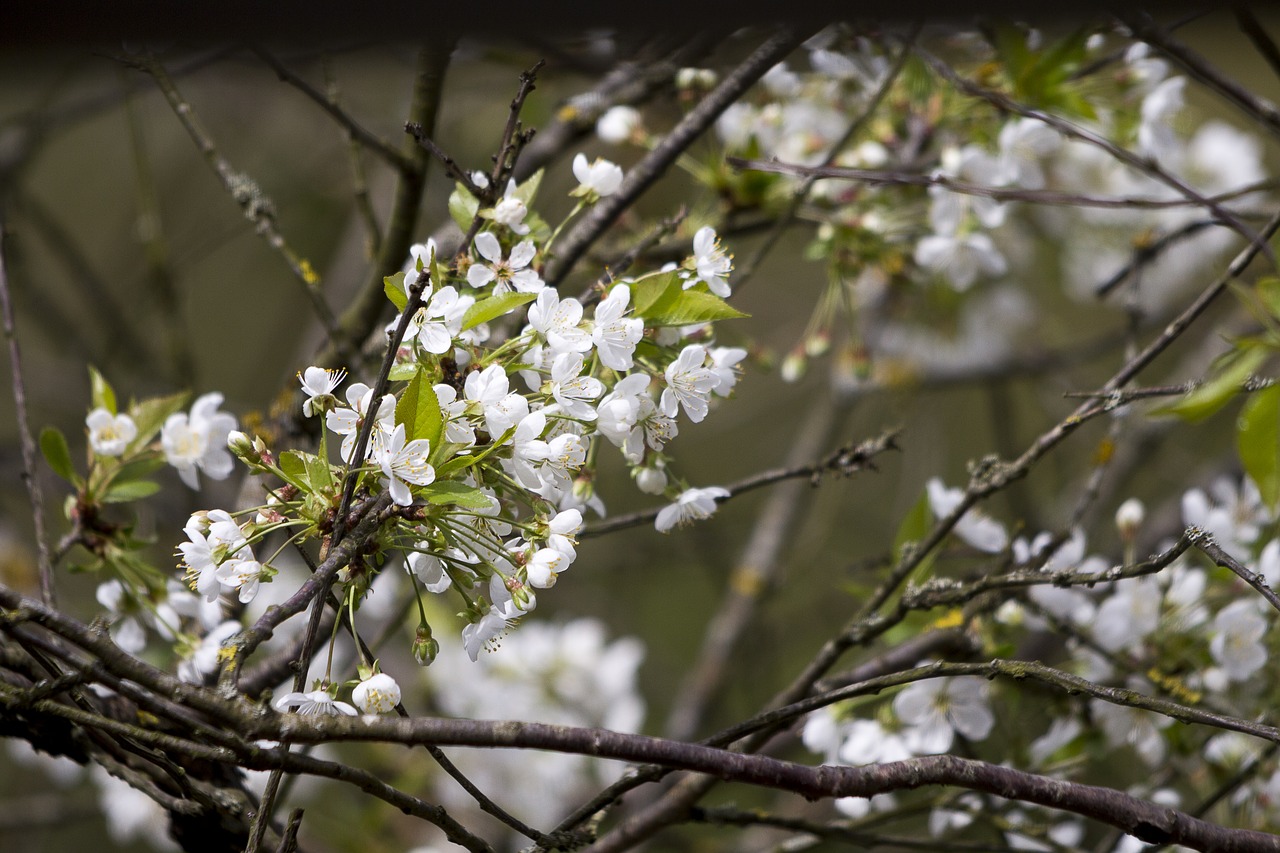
(503, 394)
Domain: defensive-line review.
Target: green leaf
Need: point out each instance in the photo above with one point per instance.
(103, 395)
(463, 206)
(1268, 288)
(662, 301)
(914, 527)
(293, 465)
(1258, 441)
(149, 415)
(494, 306)
(1237, 366)
(446, 492)
(419, 410)
(394, 287)
(401, 372)
(527, 191)
(130, 490)
(457, 463)
(143, 466)
(53, 444)
(319, 474)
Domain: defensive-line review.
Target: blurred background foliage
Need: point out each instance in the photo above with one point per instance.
(125, 252)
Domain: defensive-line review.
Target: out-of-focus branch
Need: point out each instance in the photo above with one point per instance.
(1198, 67)
(845, 461)
(30, 474)
(752, 576)
(1146, 166)
(253, 202)
(647, 171)
(354, 129)
(1057, 198)
(367, 308)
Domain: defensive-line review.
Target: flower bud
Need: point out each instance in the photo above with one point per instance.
(619, 124)
(243, 448)
(793, 366)
(425, 647)
(651, 481)
(1129, 518)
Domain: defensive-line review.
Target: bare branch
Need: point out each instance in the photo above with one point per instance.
(30, 474)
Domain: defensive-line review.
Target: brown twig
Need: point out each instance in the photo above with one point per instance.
(30, 473)
(845, 461)
(643, 175)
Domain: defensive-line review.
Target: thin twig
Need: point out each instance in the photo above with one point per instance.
(353, 128)
(1146, 166)
(253, 202)
(643, 175)
(1057, 198)
(845, 461)
(1261, 40)
(30, 474)
(1213, 551)
(746, 270)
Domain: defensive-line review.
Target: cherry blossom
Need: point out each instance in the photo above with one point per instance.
(377, 694)
(505, 274)
(198, 441)
(692, 505)
(110, 434)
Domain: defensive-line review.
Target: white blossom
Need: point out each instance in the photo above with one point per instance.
(316, 702)
(710, 263)
(404, 463)
(597, 179)
(318, 384)
(110, 434)
(505, 274)
(199, 440)
(377, 694)
(614, 335)
(975, 527)
(618, 124)
(1237, 644)
(689, 384)
(692, 505)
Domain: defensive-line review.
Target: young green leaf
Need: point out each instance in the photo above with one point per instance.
(463, 206)
(293, 466)
(419, 410)
(495, 306)
(394, 287)
(663, 301)
(1239, 365)
(1258, 441)
(131, 490)
(101, 392)
(319, 474)
(528, 191)
(149, 415)
(914, 527)
(446, 492)
(53, 444)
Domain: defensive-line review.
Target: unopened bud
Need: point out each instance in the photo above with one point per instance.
(242, 447)
(651, 481)
(1129, 518)
(793, 366)
(817, 344)
(425, 647)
